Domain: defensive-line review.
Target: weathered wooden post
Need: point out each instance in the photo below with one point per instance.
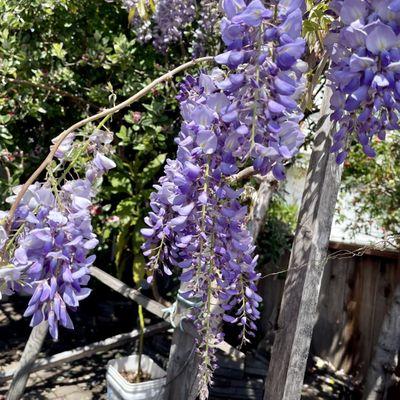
(299, 304)
(28, 358)
(182, 383)
(261, 202)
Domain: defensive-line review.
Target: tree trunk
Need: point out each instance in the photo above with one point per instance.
(385, 360)
(300, 298)
(28, 358)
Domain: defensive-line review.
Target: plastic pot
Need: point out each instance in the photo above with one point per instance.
(118, 388)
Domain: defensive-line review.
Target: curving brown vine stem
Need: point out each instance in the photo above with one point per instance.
(95, 117)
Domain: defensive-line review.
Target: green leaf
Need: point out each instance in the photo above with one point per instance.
(58, 51)
(4, 119)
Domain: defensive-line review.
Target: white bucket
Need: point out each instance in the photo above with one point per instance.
(118, 388)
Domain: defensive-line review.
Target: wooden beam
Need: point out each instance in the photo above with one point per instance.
(28, 358)
(152, 306)
(88, 350)
(260, 204)
(383, 365)
(308, 257)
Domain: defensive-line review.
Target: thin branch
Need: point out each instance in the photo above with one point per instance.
(383, 247)
(314, 81)
(95, 117)
(243, 174)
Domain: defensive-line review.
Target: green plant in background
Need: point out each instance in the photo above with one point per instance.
(317, 22)
(52, 75)
(276, 236)
(374, 185)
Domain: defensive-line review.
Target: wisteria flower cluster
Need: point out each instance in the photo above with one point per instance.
(264, 48)
(245, 111)
(365, 72)
(166, 25)
(47, 254)
(198, 225)
(207, 31)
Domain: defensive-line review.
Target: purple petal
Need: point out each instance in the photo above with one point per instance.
(253, 14)
(208, 141)
(229, 318)
(382, 38)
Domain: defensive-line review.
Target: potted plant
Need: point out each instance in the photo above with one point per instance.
(136, 377)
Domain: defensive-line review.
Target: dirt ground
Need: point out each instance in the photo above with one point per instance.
(105, 314)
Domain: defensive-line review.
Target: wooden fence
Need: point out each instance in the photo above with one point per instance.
(356, 292)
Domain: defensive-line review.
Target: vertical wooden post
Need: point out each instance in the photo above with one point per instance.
(182, 383)
(299, 304)
(261, 203)
(28, 358)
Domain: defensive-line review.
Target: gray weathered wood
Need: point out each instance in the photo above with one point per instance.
(88, 350)
(152, 306)
(261, 203)
(299, 305)
(28, 358)
(385, 360)
(183, 360)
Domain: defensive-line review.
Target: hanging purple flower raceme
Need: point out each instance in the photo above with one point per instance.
(165, 26)
(48, 252)
(207, 33)
(264, 47)
(365, 72)
(198, 226)
(171, 17)
(248, 112)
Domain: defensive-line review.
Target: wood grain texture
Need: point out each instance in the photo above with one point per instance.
(28, 358)
(299, 304)
(150, 305)
(261, 202)
(183, 364)
(385, 360)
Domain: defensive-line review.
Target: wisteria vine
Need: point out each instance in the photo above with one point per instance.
(47, 253)
(365, 72)
(165, 23)
(245, 112)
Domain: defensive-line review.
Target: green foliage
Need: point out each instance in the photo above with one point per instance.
(276, 236)
(317, 23)
(61, 61)
(375, 185)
